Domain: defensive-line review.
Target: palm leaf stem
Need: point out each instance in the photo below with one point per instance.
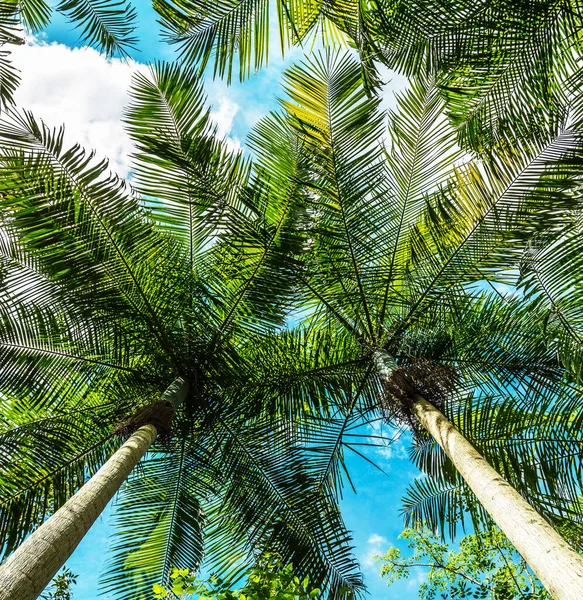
(339, 198)
(418, 137)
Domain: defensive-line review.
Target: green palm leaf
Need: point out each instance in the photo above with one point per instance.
(118, 293)
(105, 24)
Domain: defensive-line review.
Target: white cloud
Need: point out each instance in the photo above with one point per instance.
(80, 88)
(376, 544)
(375, 539)
(224, 115)
(87, 92)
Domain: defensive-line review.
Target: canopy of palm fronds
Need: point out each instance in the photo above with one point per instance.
(108, 292)
(507, 68)
(374, 241)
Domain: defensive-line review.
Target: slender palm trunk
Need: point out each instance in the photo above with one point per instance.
(556, 564)
(35, 562)
(28, 571)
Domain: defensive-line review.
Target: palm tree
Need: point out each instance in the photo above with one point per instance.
(401, 246)
(28, 570)
(107, 297)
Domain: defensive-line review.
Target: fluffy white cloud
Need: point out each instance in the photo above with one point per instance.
(79, 87)
(224, 115)
(376, 544)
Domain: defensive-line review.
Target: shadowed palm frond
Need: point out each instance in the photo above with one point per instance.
(10, 35)
(504, 67)
(46, 456)
(159, 521)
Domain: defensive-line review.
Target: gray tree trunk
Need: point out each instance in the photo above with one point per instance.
(555, 563)
(27, 571)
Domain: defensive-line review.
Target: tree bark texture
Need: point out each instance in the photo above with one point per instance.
(27, 572)
(556, 564)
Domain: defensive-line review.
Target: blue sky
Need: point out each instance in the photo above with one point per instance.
(82, 88)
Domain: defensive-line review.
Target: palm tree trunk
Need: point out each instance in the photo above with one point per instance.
(555, 563)
(27, 572)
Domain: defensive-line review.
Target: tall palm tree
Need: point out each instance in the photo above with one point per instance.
(402, 243)
(28, 570)
(111, 292)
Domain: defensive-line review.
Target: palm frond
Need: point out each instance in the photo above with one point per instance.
(309, 532)
(504, 66)
(421, 158)
(187, 177)
(84, 240)
(45, 457)
(33, 14)
(203, 29)
(437, 504)
(10, 34)
(497, 207)
(107, 25)
(340, 128)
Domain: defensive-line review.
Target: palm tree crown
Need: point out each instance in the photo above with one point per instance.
(404, 242)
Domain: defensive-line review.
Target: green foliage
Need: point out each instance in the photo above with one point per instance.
(508, 69)
(61, 586)
(367, 241)
(269, 579)
(406, 244)
(484, 567)
(105, 24)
